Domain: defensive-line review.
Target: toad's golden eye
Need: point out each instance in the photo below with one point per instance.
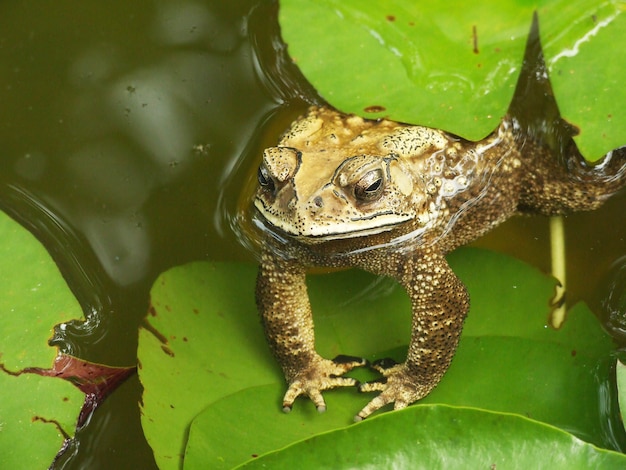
(370, 187)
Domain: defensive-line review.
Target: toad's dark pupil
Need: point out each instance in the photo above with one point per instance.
(370, 187)
(374, 186)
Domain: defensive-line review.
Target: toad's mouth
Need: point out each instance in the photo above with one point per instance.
(329, 228)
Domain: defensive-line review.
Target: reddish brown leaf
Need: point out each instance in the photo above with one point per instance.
(96, 381)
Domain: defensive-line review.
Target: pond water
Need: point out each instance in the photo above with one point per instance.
(128, 131)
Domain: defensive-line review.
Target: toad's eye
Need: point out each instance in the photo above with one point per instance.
(370, 187)
(265, 180)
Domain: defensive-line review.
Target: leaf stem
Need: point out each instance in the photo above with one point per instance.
(557, 253)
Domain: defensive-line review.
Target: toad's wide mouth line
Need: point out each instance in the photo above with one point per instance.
(334, 232)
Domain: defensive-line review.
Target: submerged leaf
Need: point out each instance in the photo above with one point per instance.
(620, 372)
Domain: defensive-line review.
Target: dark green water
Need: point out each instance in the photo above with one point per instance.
(127, 132)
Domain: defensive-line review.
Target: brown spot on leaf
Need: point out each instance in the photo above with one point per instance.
(146, 325)
(374, 109)
(51, 421)
(475, 39)
(391, 18)
(167, 351)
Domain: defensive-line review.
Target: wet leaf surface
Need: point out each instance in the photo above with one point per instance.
(213, 391)
(435, 436)
(455, 67)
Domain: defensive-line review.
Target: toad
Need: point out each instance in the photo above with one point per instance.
(393, 199)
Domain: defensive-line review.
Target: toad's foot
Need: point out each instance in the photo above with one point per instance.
(398, 386)
(321, 374)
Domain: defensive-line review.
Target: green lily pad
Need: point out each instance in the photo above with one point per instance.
(246, 426)
(426, 437)
(36, 413)
(524, 388)
(203, 357)
(455, 67)
(197, 346)
(35, 297)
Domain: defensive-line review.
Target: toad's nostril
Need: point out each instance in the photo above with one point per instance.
(318, 201)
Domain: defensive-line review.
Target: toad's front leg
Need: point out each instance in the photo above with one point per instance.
(439, 303)
(283, 303)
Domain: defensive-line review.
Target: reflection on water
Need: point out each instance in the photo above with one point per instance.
(140, 127)
(160, 101)
(614, 301)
